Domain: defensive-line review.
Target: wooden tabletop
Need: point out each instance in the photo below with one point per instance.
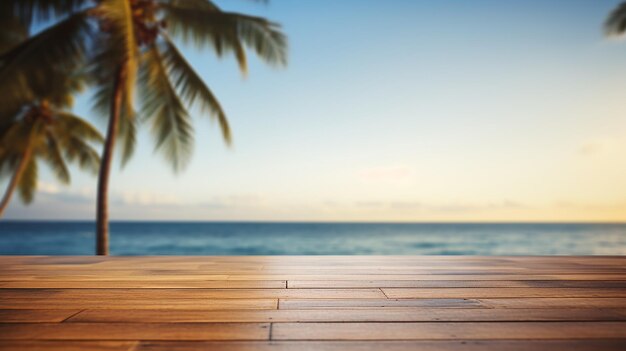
(316, 303)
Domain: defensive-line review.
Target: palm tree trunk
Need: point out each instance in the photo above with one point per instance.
(15, 180)
(102, 210)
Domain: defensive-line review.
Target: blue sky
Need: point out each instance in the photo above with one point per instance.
(399, 110)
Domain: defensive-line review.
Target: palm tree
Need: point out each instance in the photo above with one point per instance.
(44, 130)
(134, 45)
(40, 128)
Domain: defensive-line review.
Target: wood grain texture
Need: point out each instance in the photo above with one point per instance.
(35, 316)
(420, 277)
(421, 283)
(67, 345)
(145, 294)
(448, 331)
(143, 284)
(474, 293)
(303, 303)
(122, 303)
(408, 314)
(441, 345)
(125, 331)
(555, 302)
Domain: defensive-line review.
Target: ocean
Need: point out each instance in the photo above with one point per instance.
(250, 238)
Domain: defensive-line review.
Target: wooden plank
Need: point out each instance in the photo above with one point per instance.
(293, 274)
(440, 345)
(35, 316)
(425, 293)
(127, 294)
(106, 277)
(303, 304)
(341, 277)
(555, 302)
(621, 312)
(576, 283)
(348, 315)
(172, 304)
(132, 331)
(217, 273)
(143, 284)
(68, 345)
(448, 331)
(175, 277)
(346, 284)
(419, 271)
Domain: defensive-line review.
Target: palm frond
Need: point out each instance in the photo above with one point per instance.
(8, 163)
(161, 105)
(201, 5)
(122, 41)
(40, 10)
(28, 66)
(27, 184)
(126, 133)
(70, 124)
(15, 137)
(12, 146)
(101, 70)
(263, 36)
(77, 150)
(193, 89)
(50, 152)
(60, 89)
(226, 31)
(615, 24)
(12, 32)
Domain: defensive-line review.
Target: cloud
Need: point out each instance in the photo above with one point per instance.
(52, 193)
(590, 206)
(476, 207)
(234, 201)
(405, 205)
(70, 197)
(47, 188)
(54, 206)
(453, 207)
(145, 198)
(241, 199)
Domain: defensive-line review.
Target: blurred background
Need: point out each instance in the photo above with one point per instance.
(398, 111)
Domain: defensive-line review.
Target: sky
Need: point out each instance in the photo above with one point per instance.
(400, 110)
